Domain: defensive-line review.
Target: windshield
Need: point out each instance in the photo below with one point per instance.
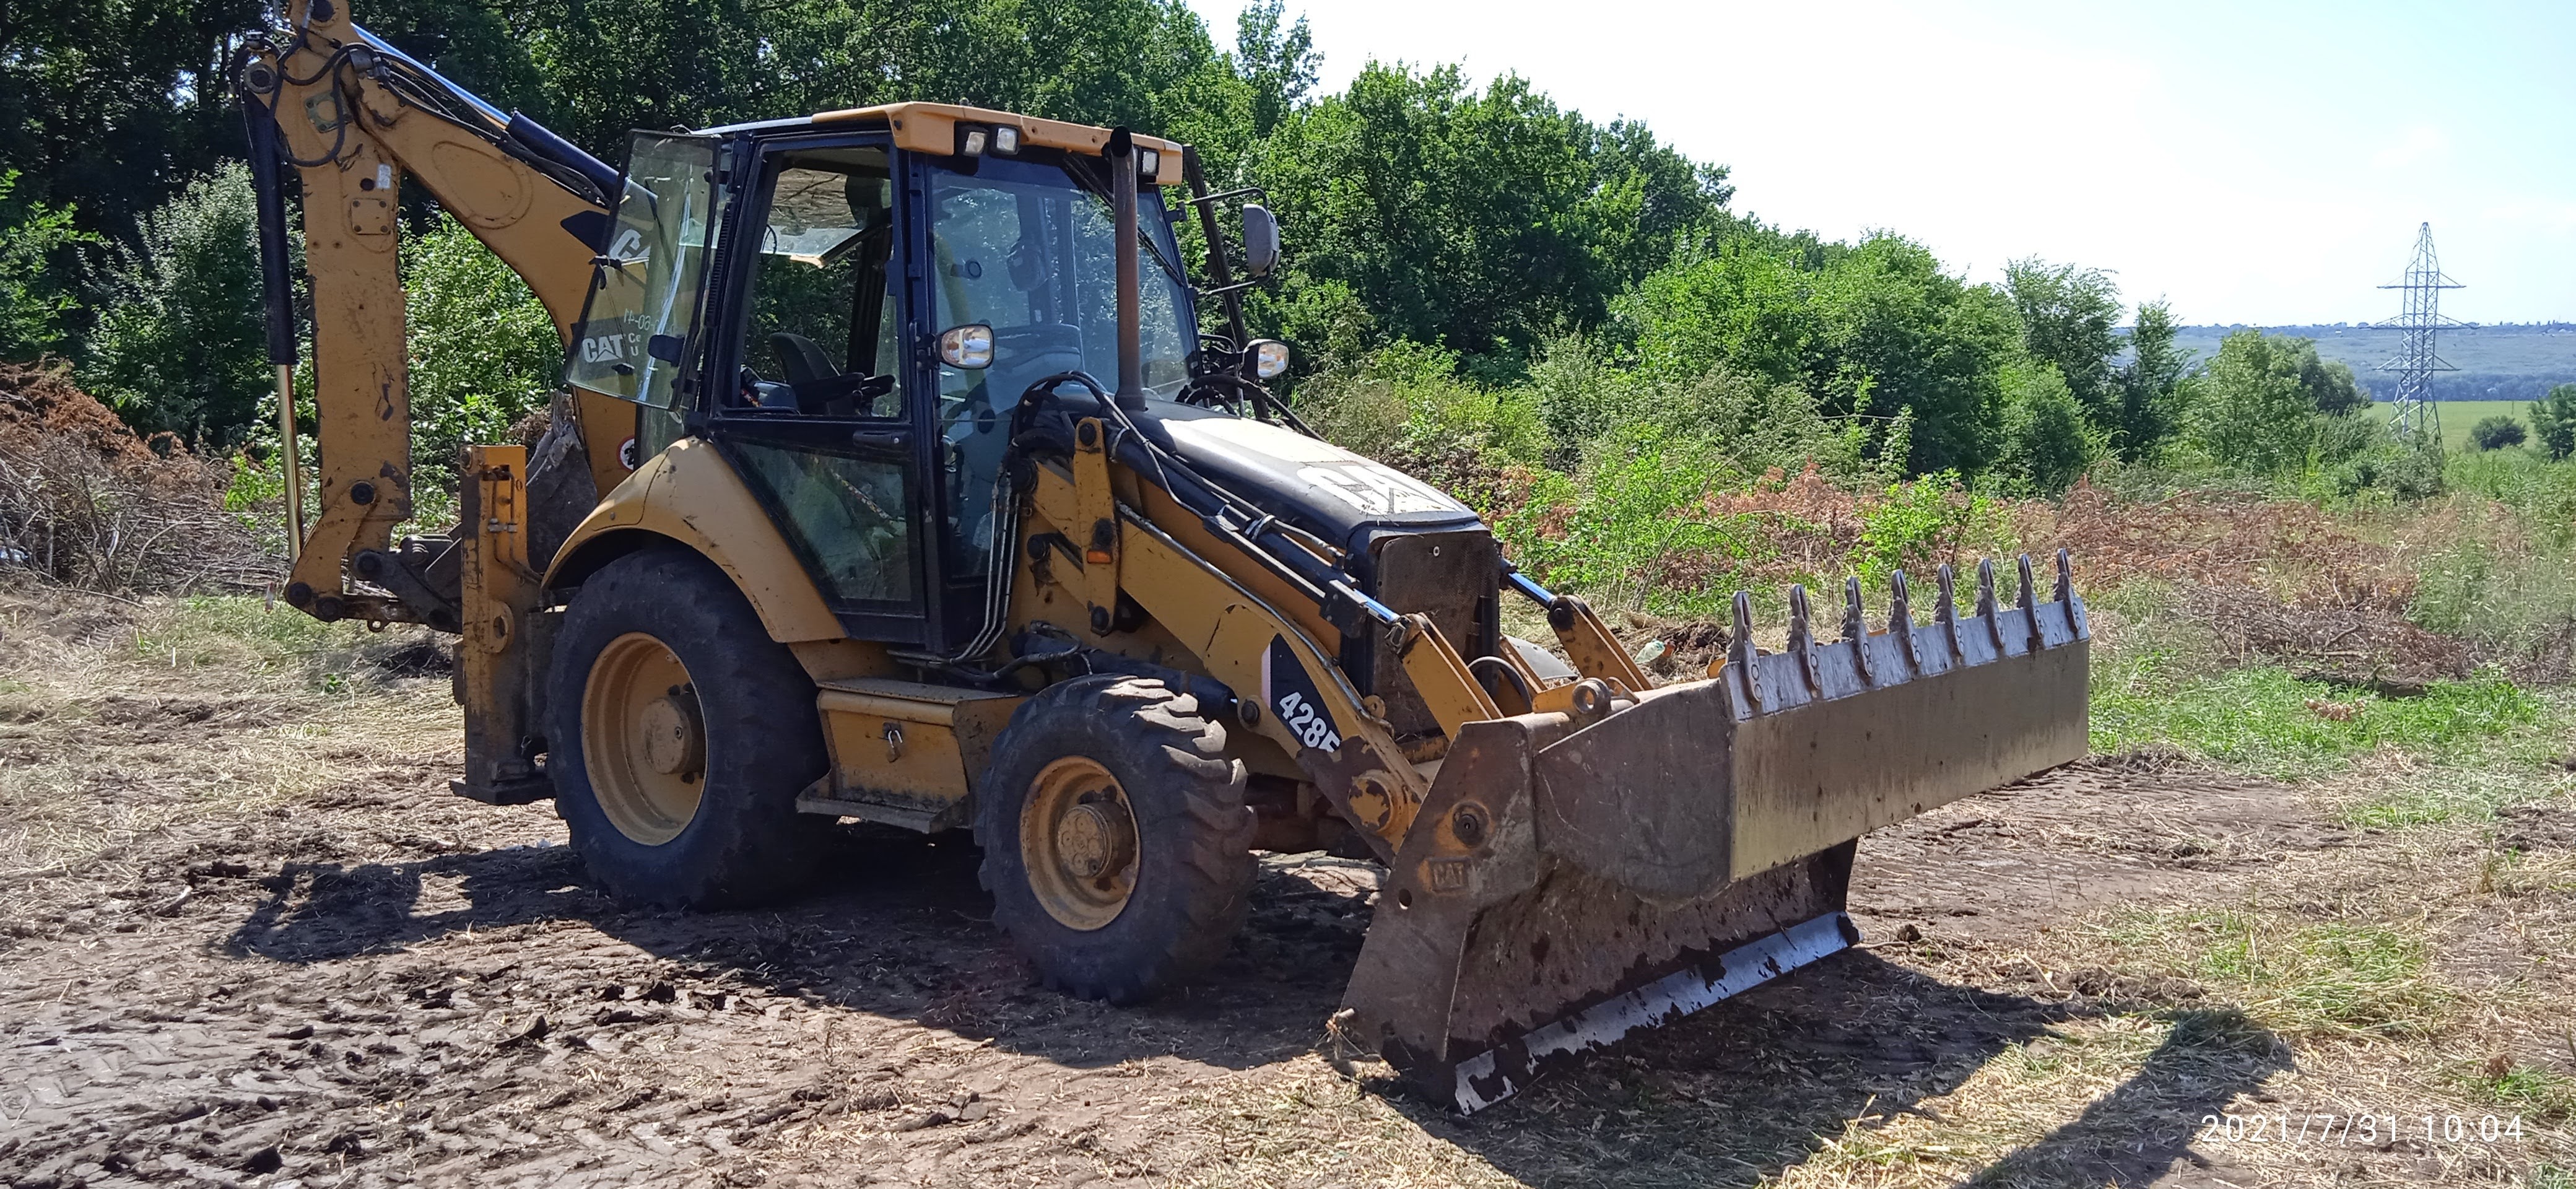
(1028, 250)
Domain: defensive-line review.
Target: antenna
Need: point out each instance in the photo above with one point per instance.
(2416, 417)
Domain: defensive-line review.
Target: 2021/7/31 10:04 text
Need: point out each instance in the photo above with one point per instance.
(2373, 1130)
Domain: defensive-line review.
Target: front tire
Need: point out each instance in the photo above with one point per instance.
(1116, 842)
(680, 735)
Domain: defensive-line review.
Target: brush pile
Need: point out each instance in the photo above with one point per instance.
(83, 501)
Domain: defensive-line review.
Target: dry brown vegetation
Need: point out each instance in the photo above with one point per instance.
(85, 502)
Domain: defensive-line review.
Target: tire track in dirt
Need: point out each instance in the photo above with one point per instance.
(384, 985)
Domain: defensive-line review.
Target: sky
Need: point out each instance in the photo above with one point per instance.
(2264, 163)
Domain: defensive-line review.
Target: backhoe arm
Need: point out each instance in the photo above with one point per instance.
(354, 116)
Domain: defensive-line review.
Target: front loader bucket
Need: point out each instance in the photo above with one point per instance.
(1570, 881)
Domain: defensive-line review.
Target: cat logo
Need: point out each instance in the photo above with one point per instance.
(606, 348)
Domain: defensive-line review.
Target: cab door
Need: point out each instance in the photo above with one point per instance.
(807, 394)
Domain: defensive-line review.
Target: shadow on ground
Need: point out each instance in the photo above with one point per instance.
(1736, 1094)
(898, 927)
(1754, 1087)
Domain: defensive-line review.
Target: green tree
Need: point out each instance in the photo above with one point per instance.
(484, 352)
(1485, 221)
(2048, 441)
(1276, 62)
(2258, 414)
(1879, 329)
(2329, 383)
(181, 346)
(2553, 421)
(113, 108)
(2069, 317)
(36, 242)
(2497, 432)
(2154, 387)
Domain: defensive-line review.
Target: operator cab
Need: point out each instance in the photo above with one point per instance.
(850, 307)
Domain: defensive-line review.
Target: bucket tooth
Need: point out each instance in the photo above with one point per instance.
(1946, 613)
(1741, 653)
(1856, 630)
(2066, 596)
(1802, 641)
(1620, 871)
(1986, 602)
(1900, 620)
(2028, 602)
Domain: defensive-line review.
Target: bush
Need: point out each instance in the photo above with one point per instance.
(484, 352)
(2048, 442)
(2496, 433)
(1638, 531)
(34, 242)
(1917, 524)
(2553, 420)
(182, 347)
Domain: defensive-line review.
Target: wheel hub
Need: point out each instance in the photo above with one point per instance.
(1078, 842)
(1093, 839)
(675, 741)
(644, 740)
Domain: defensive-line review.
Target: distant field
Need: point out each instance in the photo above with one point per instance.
(2518, 362)
(2458, 415)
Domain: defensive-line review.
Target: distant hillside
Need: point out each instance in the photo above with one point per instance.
(2511, 362)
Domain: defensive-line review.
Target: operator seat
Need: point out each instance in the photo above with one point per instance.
(803, 360)
(819, 387)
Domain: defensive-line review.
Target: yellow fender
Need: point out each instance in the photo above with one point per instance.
(689, 494)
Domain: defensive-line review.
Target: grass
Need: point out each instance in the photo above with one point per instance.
(2458, 415)
(266, 706)
(2265, 720)
(2537, 1093)
(2303, 980)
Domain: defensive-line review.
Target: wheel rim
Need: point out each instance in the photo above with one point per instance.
(643, 739)
(1078, 841)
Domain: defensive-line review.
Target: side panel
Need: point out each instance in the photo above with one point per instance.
(906, 754)
(689, 494)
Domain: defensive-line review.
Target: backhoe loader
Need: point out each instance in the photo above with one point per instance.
(896, 478)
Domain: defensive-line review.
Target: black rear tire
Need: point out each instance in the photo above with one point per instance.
(1191, 856)
(760, 740)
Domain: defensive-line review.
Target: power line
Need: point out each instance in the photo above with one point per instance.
(2417, 418)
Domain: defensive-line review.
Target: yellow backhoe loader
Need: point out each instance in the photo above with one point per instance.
(897, 478)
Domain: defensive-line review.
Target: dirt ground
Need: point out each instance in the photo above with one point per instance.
(247, 938)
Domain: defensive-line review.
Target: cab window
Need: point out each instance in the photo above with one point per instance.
(820, 338)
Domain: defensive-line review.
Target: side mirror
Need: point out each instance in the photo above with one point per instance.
(1269, 358)
(968, 347)
(1260, 240)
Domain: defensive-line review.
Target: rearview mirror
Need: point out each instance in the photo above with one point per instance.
(968, 347)
(1260, 240)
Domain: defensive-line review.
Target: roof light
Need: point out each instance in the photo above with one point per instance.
(1149, 162)
(972, 143)
(1006, 140)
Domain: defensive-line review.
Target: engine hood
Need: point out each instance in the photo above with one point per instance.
(1310, 483)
